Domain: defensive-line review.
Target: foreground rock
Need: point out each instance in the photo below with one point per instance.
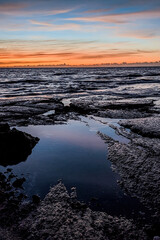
(61, 216)
(138, 163)
(15, 146)
(12, 206)
(148, 127)
(139, 169)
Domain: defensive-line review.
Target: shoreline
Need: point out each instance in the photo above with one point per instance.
(137, 163)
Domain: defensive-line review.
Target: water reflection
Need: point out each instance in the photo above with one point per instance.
(78, 156)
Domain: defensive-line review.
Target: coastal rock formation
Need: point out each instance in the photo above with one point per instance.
(53, 110)
(36, 97)
(61, 216)
(15, 146)
(138, 163)
(103, 106)
(147, 127)
(139, 169)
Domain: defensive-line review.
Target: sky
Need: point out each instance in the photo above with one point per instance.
(79, 32)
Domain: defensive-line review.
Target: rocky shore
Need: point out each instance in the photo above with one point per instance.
(60, 215)
(15, 146)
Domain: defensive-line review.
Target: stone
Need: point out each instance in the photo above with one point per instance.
(15, 146)
(18, 182)
(36, 199)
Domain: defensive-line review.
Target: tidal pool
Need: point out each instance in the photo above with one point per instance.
(74, 153)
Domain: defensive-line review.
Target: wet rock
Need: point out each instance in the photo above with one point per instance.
(156, 238)
(15, 146)
(123, 114)
(148, 127)
(139, 169)
(6, 234)
(18, 182)
(12, 206)
(61, 217)
(4, 128)
(105, 107)
(36, 199)
(73, 193)
(138, 165)
(9, 169)
(27, 112)
(11, 175)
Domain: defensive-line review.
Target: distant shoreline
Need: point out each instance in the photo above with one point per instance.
(88, 66)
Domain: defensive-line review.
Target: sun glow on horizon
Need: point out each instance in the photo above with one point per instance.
(69, 33)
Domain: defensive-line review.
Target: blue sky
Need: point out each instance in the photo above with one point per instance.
(80, 32)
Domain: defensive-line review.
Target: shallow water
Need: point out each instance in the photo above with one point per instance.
(76, 154)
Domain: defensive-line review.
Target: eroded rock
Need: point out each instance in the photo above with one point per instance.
(139, 168)
(148, 127)
(58, 217)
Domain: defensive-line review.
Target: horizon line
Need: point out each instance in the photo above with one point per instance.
(155, 63)
(124, 64)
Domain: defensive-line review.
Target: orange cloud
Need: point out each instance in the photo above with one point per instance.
(141, 34)
(13, 58)
(50, 52)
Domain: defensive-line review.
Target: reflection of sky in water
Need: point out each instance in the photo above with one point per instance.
(100, 124)
(75, 154)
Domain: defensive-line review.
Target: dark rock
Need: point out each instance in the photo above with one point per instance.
(36, 199)
(11, 175)
(15, 146)
(147, 127)
(2, 176)
(139, 168)
(156, 238)
(4, 127)
(19, 182)
(57, 217)
(9, 169)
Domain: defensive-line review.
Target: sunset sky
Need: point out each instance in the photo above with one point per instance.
(79, 32)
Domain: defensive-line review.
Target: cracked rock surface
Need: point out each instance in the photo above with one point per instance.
(147, 127)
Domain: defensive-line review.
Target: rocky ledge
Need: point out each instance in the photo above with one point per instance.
(61, 216)
(138, 164)
(15, 146)
(147, 127)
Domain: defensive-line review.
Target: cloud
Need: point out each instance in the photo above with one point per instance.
(120, 17)
(35, 52)
(35, 55)
(98, 10)
(55, 53)
(112, 54)
(139, 34)
(25, 9)
(24, 62)
(104, 18)
(55, 27)
(9, 7)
